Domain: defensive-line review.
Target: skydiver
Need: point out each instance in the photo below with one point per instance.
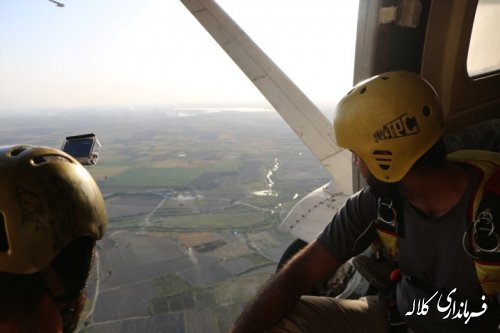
(51, 214)
(393, 125)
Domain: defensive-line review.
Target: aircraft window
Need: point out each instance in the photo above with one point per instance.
(485, 43)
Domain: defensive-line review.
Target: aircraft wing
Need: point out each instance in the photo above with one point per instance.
(308, 122)
(312, 213)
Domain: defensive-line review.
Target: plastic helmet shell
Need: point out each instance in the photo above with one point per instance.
(47, 201)
(390, 121)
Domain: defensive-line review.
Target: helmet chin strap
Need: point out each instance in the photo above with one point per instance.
(54, 282)
(69, 305)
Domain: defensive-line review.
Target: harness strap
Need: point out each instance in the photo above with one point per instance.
(390, 222)
(387, 296)
(493, 183)
(483, 235)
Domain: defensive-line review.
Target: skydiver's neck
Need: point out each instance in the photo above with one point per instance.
(435, 191)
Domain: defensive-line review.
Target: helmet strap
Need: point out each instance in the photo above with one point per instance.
(69, 305)
(54, 283)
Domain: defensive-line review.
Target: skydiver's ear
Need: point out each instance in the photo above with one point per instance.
(356, 160)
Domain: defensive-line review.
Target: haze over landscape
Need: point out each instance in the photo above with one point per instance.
(194, 200)
(129, 53)
(196, 168)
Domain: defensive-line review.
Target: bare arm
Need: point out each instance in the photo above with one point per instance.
(278, 297)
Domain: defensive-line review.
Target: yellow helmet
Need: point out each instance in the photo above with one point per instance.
(390, 121)
(47, 201)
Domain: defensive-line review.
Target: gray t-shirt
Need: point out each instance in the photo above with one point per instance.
(431, 253)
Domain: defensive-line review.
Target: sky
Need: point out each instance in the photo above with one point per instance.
(133, 53)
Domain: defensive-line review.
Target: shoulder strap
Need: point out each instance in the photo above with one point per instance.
(483, 234)
(493, 183)
(485, 227)
(488, 163)
(484, 214)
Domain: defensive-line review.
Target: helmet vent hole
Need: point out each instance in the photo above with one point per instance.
(384, 158)
(17, 151)
(363, 90)
(49, 158)
(4, 243)
(426, 110)
(384, 77)
(382, 152)
(39, 160)
(383, 155)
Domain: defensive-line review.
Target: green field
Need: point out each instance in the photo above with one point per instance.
(233, 291)
(171, 285)
(175, 177)
(182, 188)
(167, 177)
(225, 219)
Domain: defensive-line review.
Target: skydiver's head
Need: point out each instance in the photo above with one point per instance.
(434, 157)
(392, 122)
(379, 188)
(51, 214)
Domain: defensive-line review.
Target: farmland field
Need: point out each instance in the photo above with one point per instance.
(191, 238)
(156, 176)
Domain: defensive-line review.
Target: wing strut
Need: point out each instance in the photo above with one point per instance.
(308, 122)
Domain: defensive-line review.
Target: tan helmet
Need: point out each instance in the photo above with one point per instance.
(47, 201)
(390, 121)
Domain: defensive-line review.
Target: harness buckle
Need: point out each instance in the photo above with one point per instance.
(484, 236)
(386, 212)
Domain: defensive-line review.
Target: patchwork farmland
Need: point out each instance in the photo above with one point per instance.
(189, 241)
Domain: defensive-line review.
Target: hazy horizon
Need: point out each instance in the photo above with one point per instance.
(102, 54)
